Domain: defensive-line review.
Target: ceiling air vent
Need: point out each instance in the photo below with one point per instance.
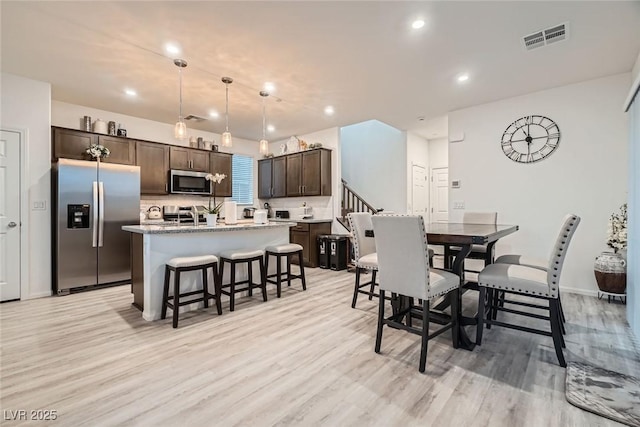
(555, 34)
(534, 40)
(546, 37)
(194, 118)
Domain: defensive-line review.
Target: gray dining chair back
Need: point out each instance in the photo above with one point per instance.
(480, 218)
(403, 256)
(559, 252)
(359, 222)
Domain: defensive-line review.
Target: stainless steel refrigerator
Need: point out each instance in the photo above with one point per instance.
(92, 201)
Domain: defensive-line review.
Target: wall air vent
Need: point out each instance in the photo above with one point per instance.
(194, 118)
(546, 37)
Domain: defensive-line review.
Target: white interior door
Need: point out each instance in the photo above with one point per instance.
(440, 195)
(9, 216)
(419, 190)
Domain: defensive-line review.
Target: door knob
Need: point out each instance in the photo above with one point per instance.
(12, 224)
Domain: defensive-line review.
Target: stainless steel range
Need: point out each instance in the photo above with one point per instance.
(183, 214)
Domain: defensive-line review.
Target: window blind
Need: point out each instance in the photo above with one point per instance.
(242, 171)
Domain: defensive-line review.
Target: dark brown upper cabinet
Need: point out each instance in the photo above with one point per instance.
(222, 163)
(73, 144)
(272, 177)
(122, 150)
(309, 173)
(183, 158)
(153, 160)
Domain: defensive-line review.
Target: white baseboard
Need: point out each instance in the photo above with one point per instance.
(579, 291)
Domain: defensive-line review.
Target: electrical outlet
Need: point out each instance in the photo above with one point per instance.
(459, 204)
(40, 205)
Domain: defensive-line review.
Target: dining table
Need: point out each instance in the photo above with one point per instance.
(462, 237)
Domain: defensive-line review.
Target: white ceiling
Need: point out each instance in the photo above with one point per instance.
(361, 57)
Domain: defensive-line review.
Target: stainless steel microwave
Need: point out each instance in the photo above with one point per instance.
(189, 182)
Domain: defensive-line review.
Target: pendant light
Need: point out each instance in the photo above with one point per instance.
(180, 130)
(226, 135)
(264, 144)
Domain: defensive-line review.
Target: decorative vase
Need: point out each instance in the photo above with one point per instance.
(211, 219)
(611, 273)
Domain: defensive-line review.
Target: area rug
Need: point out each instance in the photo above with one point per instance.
(606, 393)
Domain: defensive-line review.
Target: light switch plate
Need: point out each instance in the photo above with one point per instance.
(458, 204)
(39, 205)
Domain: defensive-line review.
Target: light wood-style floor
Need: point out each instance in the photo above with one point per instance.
(306, 359)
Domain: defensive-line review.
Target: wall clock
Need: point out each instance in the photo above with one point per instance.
(530, 139)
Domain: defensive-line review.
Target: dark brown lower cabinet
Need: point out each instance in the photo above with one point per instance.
(306, 235)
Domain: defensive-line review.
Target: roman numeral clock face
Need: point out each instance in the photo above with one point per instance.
(530, 139)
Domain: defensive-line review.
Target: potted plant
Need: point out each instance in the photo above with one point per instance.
(97, 152)
(214, 209)
(610, 267)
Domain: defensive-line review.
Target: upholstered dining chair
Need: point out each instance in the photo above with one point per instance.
(477, 251)
(403, 269)
(365, 257)
(529, 281)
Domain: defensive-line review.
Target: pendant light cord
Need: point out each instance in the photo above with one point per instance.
(264, 118)
(180, 108)
(226, 113)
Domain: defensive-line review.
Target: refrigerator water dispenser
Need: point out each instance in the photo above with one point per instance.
(78, 216)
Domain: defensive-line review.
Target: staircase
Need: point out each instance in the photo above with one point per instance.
(352, 202)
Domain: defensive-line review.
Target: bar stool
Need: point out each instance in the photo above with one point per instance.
(179, 265)
(289, 250)
(235, 257)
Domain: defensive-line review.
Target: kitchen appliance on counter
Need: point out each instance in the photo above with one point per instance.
(91, 203)
(282, 214)
(189, 182)
(183, 214)
(267, 206)
(248, 213)
(154, 212)
(260, 216)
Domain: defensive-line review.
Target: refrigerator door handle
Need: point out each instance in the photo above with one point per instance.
(94, 242)
(101, 215)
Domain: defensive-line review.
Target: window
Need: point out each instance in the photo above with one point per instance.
(242, 171)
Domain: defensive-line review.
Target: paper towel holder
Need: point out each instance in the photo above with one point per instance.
(230, 213)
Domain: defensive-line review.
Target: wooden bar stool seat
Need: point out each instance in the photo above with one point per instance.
(289, 251)
(182, 264)
(242, 256)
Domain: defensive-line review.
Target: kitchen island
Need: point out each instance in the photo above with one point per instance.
(153, 245)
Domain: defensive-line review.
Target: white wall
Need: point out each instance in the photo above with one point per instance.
(26, 105)
(323, 207)
(587, 175)
(438, 152)
(70, 116)
(633, 253)
(417, 154)
(374, 163)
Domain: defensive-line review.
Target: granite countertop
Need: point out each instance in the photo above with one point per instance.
(304, 221)
(171, 228)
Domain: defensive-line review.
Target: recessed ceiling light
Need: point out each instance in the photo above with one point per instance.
(172, 49)
(271, 128)
(418, 23)
(130, 92)
(214, 114)
(269, 87)
(328, 110)
(462, 78)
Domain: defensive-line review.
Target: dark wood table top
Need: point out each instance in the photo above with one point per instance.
(447, 233)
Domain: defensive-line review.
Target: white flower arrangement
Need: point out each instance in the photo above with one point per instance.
(97, 151)
(216, 179)
(617, 232)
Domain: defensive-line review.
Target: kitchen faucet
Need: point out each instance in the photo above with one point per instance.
(194, 214)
